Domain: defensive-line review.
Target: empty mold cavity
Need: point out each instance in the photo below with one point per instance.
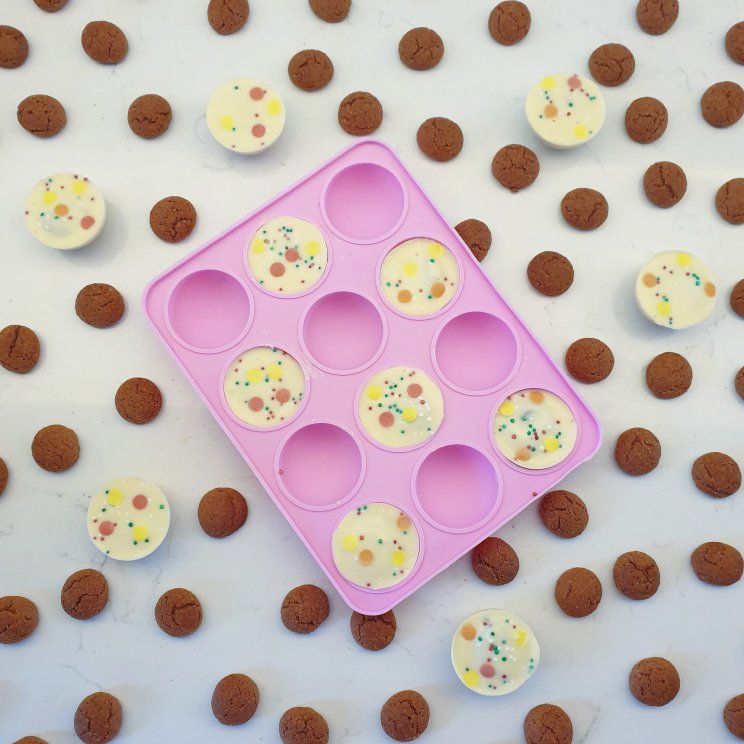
(320, 466)
(364, 203)
(456, 488)
(476, 352)
(343, 332)
(209, 311)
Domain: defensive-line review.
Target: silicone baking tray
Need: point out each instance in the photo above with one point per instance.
(319, 464)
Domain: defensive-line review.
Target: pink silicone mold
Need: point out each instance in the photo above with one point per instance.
(456, 486)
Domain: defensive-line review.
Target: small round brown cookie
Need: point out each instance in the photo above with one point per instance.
(55, 448)
(440, 139)
(477, 236)
(173, 219)
(31, 740)
(668, 375)
(739, 383)
(578, 592)
(178, 613)
(18, 619)
(98, 718)
(104, 42)
(564, 513)
(373, 632)
(19, 349)
(611, 64)
(227, 16)
(509, 22)
(51, 6)
(637, 451)
(589, 360)
(304, 609)
(235, 699)
(41, 115)
(515, 167)
(550, 273)
(584, 209)
(4, 475)
(636, 575)
(717, 563)
(723, 104)
(716, 474)
(664, 184)
(421, 48)
(303, 726)
(656, 17)
(222, 511)
(495, 561)
(85, 594)
(548, 724)
(646, 120)
(730, 201)
(99, 305)
(138, 400)
(733, 716)
(360, 113)
(310, 69)
(735, 42)
(405, 715)
(736, 300)
(331, 11)
(13, 47)
(654, 681)
(149, 116)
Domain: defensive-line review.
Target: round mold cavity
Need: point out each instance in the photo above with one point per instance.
(476, 353)
(456, 487)
(209, 311)
(320, 466)
(364, 203)
(343, 332)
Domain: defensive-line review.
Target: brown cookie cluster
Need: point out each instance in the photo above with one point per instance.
(563, 513)
(360, 113)
(654, 681)
(477, 236)
(19, 349)
(98, 718)
(55, 448)
(636, 575)
(421, 48)
(222, 511)
(578, 592)
(41, 115)
(373, 632)
(305, 608)
(173, 219)
(550, 273)
(138, 400)
(405, 715)
(515, 167)
(664, 184)
(310, 69)
(584, 209)
(646, 120)
(440, 139)
(178, 613)
(99, 305)
(85, 594)
(668, 375)
(589, 360)
(637, 451)
(611, 64)
(509, 22)
(495, 561)
(235, 699)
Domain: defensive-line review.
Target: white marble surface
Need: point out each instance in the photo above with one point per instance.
(165, 684)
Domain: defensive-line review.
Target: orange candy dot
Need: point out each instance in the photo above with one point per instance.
(537, 397)
(550, 111)
(437, 289)
(404, 296)
(403, 522)
(649, 280)
(710, 289)
(524, 454)
(61, 210)
(366, 557)
(467, 632)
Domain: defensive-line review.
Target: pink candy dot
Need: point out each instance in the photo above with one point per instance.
(139, 501)
(487, 670)
(292, 255)
(414, 390)
(255, 404)
(87, 222)
(258, 130)
(106, 528)
(257, 94)
(283, 395)
(574, 82)
(277, 269)
(386, 419)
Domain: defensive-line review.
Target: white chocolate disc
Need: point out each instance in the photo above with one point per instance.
(245, 116)
(128, 519)
(565, 110)
(375, 546)
(65, 211)
(534, 429)
(401, 407)
(494, 652)
(675, 290)
(264, 387)
(419, 277)
(288, 255)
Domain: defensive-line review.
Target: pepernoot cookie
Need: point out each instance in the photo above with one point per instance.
(440, 139)
(235, 699)
(138, 400)
(173, 219)
(4, 475)
(646, 119)
(735, 42)
(303, 726)
(360, 113)
(178, 613)
(31, 740)
(589, 360)
(716, 474)
(654, 681)
(222, 511)
(668, 375)
(84, 594)
(736, 299)
(373, 632)
(99, 305)
(13, 47)
(227, 16)
(19, 349)
(611, 64)
(51, 6)
(477, 236)
(304, 609)
(739, 383)
(331, 11)
(18, 619)
(636, 575)
(104, 42)
(733, 716)
(41, 115)
(578, 592)
(730, 201)
(563, 513)
(149, 115)
(98, 718)
(717, 563)
(495, 561)
(421, 48)
(405, 715)
(310, 69)
(656, 17)
(584, 209)
(723, 104)
(637, 451)
(55, 448)
(664, 184)
(515, 167)
(550, 273)
(548, 724)
(509, 22)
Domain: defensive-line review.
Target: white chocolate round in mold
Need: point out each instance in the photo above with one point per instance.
(419, 277)
(264, 386)
(494, 652)
(288, 255)
(565, 110)
(676, 290)
(534, 429)
(65, 211)
(375, 546)
(128, 519)
(401, 407)
(245, 116)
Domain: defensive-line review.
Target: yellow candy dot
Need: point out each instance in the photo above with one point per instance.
(140, 532)
(436, 250)
(580, 131)
(313, 248)
(551, 444)
(79, 187)
(410, 415)
(49, 197)
(257, 246)
(520, 637)
(227, 122)
(115, 497)
(349, 543)
(410, 268)
(548, 82)
(398, 558)
(374, 392)
(684, 259)
(274, 107)
(471, 678)
(254, 375)
(663, 308)
(275, 372)
(506, 408)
